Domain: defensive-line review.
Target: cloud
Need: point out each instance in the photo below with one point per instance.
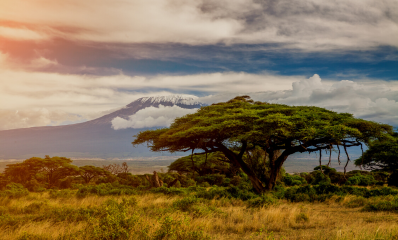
(152, 117)
(90, 96)
(20, 34)
(304, 24)
(10, 119)
(371, 100)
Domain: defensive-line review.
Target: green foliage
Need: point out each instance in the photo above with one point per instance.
(90, 172)
(241, 125)
(14, 190)
(104, 189)
(262, 201)
(320, 178)
(293, 180)
(212, 179)
(114, 221)
(130, 179)
(387, 204)
(361, 180)
(173, 229)
(225, 192)
(169, 191)
(201, 164)
(357, 201)
(186, 203)
(47, 169)
(381, 155)
(65, 193)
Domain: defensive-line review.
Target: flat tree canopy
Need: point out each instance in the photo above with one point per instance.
(241, 125)
(381, 155)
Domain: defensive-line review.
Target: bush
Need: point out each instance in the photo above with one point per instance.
(320, 178)
(35, 207)
(129, 179)
(65, 183)
(293, 180)
(212, 179)
(356, 201)
(65, 193)
(186, 203)
(114, 222)
(174, 229)
(14, 190)
(224, 192)
(361, 180)
(105, 189)
(169, 191)
(263, 201)
(390, 205)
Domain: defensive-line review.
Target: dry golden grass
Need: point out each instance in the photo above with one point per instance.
(227, 219)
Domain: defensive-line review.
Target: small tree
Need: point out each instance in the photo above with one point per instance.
(54, 168)
(90, 172)
(381, 155)
(116, 168)
(241, 125)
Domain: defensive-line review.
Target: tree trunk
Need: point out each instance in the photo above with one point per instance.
(238, 161)
(276, 161)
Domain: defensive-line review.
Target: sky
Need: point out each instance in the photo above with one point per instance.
(70, 61)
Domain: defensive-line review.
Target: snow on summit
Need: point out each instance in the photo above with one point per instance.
(174, 99)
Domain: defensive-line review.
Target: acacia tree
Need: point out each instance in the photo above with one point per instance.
(240, 125)
(381, 155)
(89, 172)
(54, 168)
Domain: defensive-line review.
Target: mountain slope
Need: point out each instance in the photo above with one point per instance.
(95, 138)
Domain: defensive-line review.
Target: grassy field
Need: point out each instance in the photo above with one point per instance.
(62, 215)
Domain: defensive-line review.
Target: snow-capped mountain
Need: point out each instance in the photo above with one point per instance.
(94, 138)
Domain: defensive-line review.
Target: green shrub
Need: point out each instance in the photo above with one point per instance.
(129, 179)
(174, 229)
(263, 201)
(361, 180)
(357, 201)
(65, 193)
(320, 178)
(14, 190)
(169, 191)
(390, 205)
(105, 189)
(114, 222)
(186, 203)
(293, 180)
(212, 179)
(35, 207)
(205, 184)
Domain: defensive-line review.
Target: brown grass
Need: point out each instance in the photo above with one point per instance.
(228, 219)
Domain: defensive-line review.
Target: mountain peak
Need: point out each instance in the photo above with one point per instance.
(177, 99)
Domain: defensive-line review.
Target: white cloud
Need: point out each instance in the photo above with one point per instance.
(11, 119)
(371, 100)
(21, 34)
(152, 117)
(91, 96)
(42, 62)
(304, 24)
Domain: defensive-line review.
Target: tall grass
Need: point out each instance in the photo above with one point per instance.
(174, 216)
